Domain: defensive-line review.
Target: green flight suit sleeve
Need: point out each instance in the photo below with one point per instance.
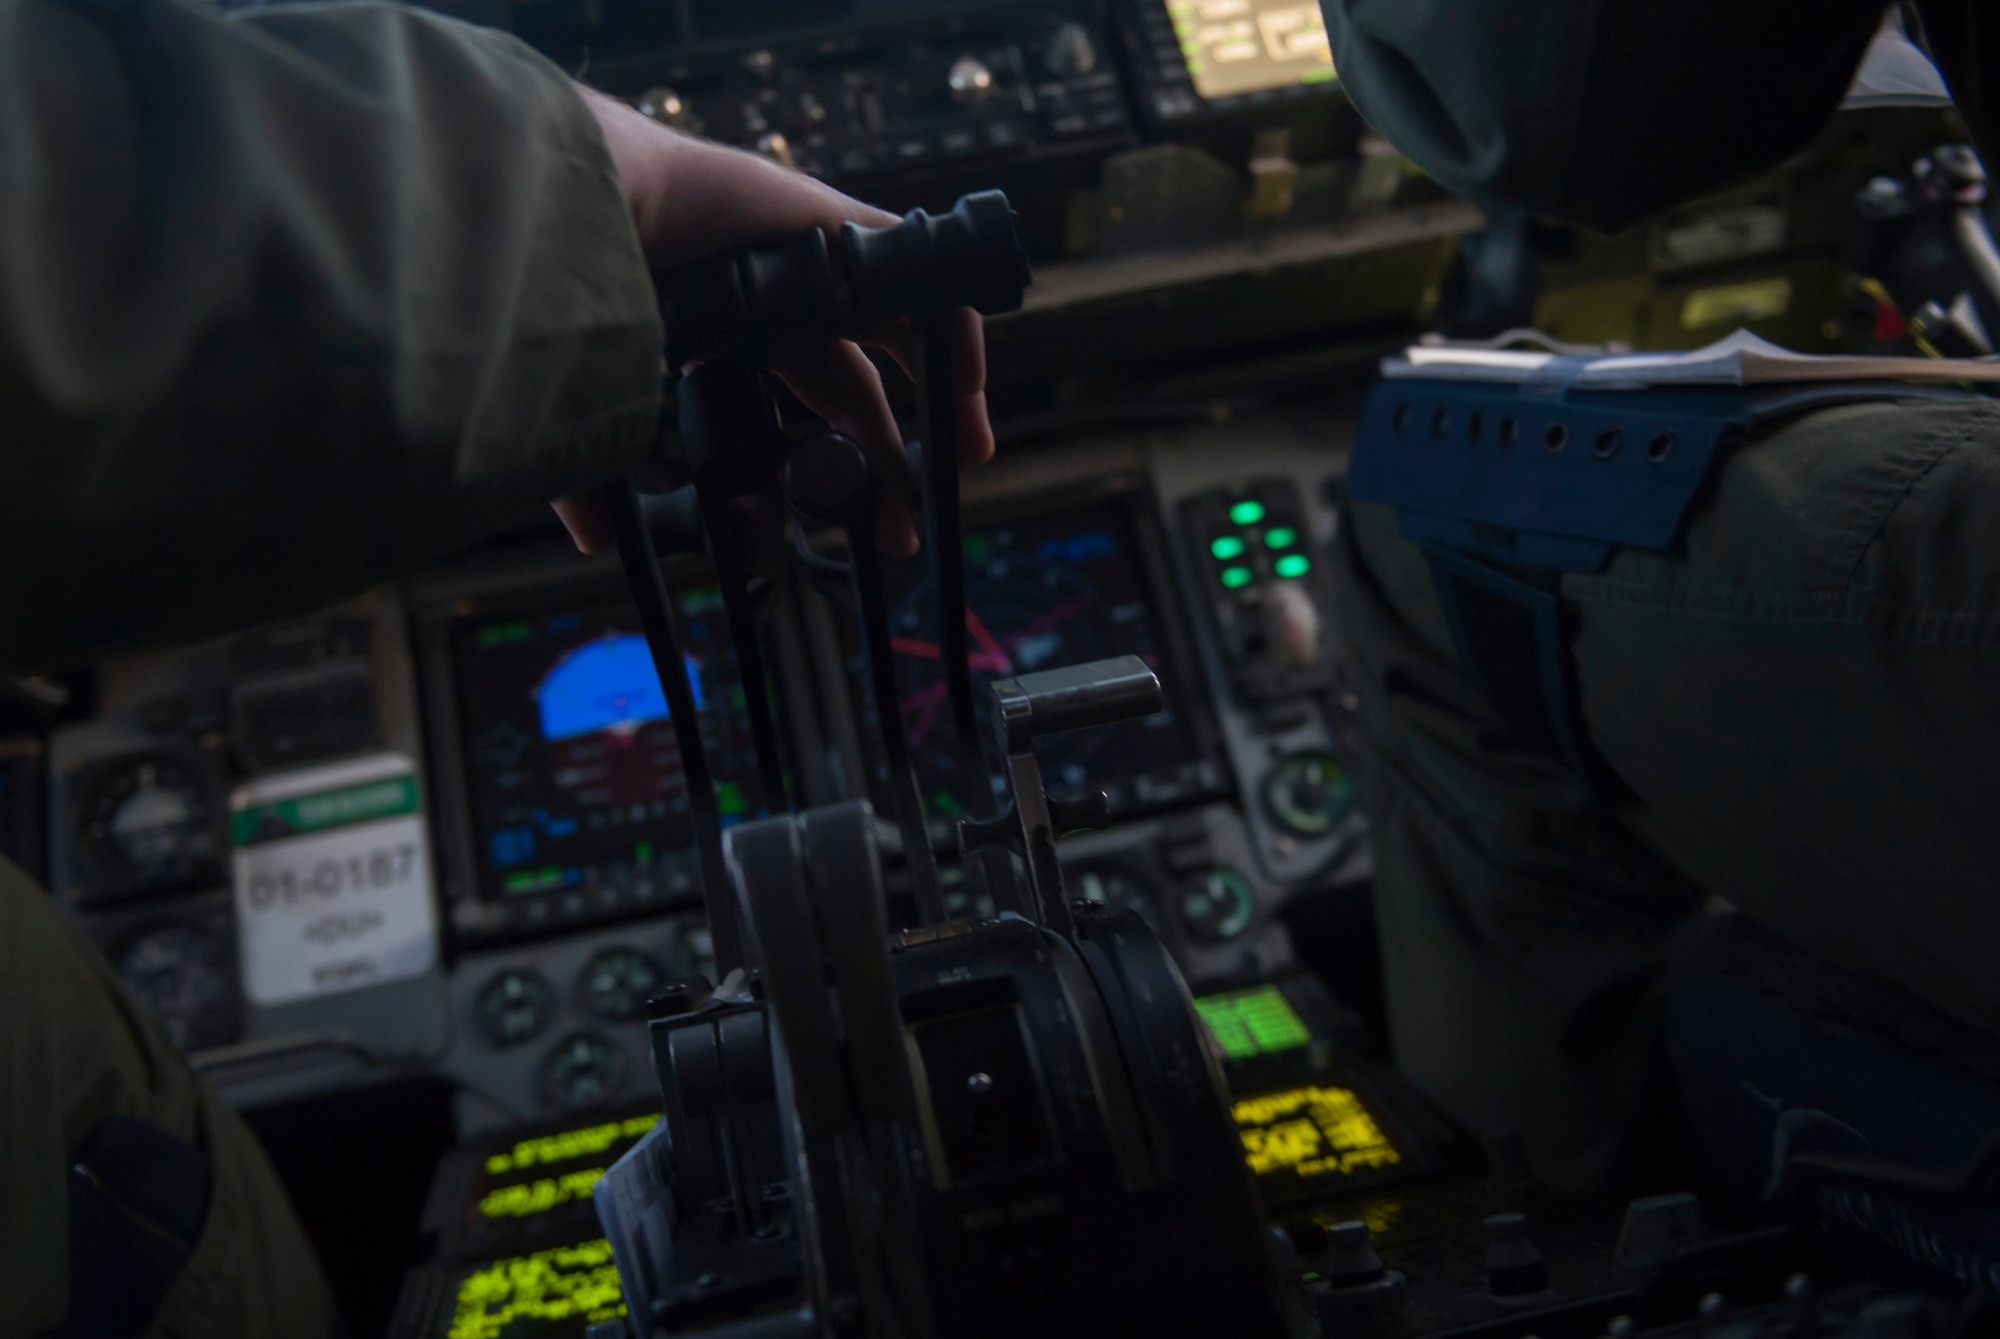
(76, 1047)
(287, 301)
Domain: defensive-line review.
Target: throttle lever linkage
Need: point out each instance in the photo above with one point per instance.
(727, 316)
(843, 1135)
(828, 480)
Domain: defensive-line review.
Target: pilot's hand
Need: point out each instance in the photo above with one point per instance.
(693, 199)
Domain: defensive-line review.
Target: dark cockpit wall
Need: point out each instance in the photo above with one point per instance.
(401, 879)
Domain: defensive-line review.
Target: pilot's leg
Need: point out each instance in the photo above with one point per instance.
(124, 1181)
(1803, 709)
(1523, 926)
(1807, 707)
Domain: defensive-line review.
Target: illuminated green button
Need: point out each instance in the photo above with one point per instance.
(1292, 565)
(1227, 547)
(1248, 512)
(1236, 578)
(1280, 537)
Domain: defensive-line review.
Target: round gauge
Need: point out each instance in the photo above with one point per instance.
(618, 981)
(1218, 904)
(182, 975)
(149, 816)
(1116, 888)
(1309, 794)
(515, 1006)
(581, 1070)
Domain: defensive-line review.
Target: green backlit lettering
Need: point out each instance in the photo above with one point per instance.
(1253, 1022)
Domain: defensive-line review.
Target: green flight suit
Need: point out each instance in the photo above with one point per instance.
(287, 301)
(1799, 706)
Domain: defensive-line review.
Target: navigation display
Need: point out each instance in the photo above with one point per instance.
(1246, 46)
(1042, 593)
(572, 774)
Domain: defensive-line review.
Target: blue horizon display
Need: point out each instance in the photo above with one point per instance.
(603, 685)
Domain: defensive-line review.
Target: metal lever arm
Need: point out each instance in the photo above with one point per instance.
(828, 480)
(734, 444)
(1029, 706)
(656, 617)
(924, 268)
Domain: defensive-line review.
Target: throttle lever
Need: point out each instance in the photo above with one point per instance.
(924, 268)
(828, 480)
(656, 617)
(674, 520)
(730, 430)
(1026, 707)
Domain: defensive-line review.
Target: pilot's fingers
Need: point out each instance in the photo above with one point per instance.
(583, 516)
(966, 334)
(968, 385)
(835, 380)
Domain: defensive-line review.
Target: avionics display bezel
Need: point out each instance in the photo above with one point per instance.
(1172, 103)
(545, 583)
(1252, 29)
(1130, 498)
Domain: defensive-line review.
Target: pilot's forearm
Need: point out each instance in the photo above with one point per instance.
(286, 301)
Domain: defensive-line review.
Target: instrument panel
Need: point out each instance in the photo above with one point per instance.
(1053, 582)
(472, 857)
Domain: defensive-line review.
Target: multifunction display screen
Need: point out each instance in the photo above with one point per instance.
(572, 774)
(1246, 46)
(1045, 592)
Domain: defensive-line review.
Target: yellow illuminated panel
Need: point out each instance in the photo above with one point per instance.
(1245, 46)
(568, 1285)
(588, 1142)
(1736, 304)
(529, 1198)
(1312, 1131)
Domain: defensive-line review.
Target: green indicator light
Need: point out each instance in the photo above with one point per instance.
(729, 798)
(1227, 547)
(1292, 565)
(505, 634)
(1280, 537)
(1247, 512)
(643, 853)
(533, 880)
(1236, 578)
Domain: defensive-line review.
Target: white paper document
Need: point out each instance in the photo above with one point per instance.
(1741, 359)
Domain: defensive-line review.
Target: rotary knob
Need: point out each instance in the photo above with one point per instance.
(667, 107)
(1292, 626)
(1514, 1265)
(1071, 51)
(970, 79)
(1362, 1298)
